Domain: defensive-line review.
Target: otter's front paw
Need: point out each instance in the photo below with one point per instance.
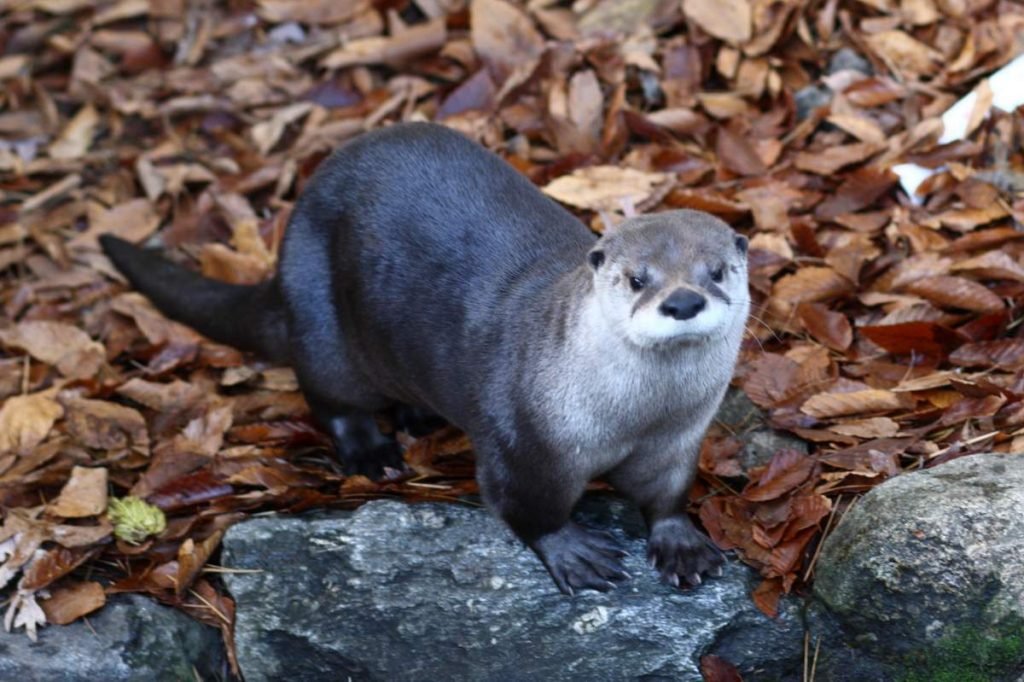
(680, 552)
(580, 558)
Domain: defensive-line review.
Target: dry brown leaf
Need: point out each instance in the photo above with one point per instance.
(831, 328)
(219, 262)
(861, 127)
(738, 154)
(875, 427)
(68, 604)
(192, 558)
(602, 188)
(133, 220)
(25, 420)
(105, 425)
(826, 405)
(957, 292)
(176, 395)
(76, 138)
(320, 12)
(1002, 353)
(504, 37)
(992, 265)
(828, 161)
(413, 42)
(156, 328)
(85, 494)
(903, 54)
(982, 105)
(729, 20)
(809, 285)
(68, 348)
(967, 219)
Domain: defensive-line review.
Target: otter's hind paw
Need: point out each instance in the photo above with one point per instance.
(681, 553)
(579, 558)
(383, 462)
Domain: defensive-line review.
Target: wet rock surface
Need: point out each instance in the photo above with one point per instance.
(394, 591)
(131, 638)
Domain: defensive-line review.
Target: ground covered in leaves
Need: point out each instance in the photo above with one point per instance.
(886, 333)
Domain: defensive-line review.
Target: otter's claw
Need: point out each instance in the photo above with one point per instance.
(679, 551)
(578, 558)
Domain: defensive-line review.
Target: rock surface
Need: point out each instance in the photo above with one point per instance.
(131, 638)
(926, 572)
(747, 421)
(438, 591)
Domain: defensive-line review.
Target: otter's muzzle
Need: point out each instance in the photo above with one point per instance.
(682, 304)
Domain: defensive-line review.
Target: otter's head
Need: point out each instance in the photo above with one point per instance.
(678, 276)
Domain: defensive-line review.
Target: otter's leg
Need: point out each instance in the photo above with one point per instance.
(659, 485)
(416, 421)
(358, 443)
(340, 400)
(537, 502)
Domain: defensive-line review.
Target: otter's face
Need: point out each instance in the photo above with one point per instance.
(671, 277)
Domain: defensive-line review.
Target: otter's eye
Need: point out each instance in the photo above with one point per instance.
(718, 275)
(636, 283)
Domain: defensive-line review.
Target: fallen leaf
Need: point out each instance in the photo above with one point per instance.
(25, 420)
(809, 285)
(925, 338)
(105, 425)
(85, 494)
(825, 405)
(831, 328)
(504, 37)
(903, 54)
(76, 138)
(192, 558)
(786, 470)
(728, 20)
(68, 604)
(716, 669)
(957, 292)
(875, 427)
(133, 220)
(766, 597)
(176, 395)
(1005, 354)
(602, 188)
(830, 160)
(70, 349)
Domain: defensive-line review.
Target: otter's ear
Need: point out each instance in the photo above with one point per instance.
(595, 258)
(741, 244)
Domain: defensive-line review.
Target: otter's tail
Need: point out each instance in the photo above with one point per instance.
(247, 317)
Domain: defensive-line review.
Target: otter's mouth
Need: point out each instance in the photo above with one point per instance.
(671, 322)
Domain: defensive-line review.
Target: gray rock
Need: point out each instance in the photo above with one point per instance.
(131, 638)
(809, 98)
(926, 573)
(440, 591)
(745, 419)
(847, 59)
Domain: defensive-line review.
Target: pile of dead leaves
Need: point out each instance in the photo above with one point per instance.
(887, 333)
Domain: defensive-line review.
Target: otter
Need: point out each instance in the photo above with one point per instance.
(420, 270)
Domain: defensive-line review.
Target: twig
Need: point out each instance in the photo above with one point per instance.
(211, 568)
(824, 534)
(969, 441)
(210, 606)
(814, 663)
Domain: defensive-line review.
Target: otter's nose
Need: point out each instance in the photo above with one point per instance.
(682, 304)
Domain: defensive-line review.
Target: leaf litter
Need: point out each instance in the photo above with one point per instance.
(886, 333)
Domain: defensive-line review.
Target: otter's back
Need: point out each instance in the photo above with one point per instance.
(421, 231)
